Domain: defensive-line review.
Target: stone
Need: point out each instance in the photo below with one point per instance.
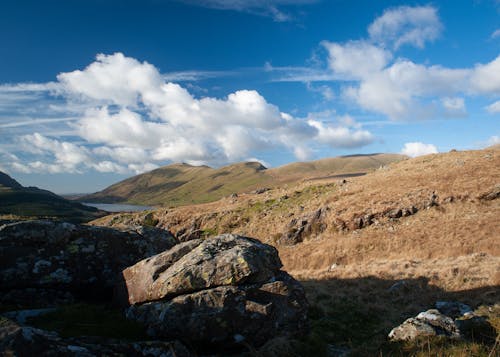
(16, 340)
(229, 315)
(300, 228)
(454, 309)
(82, 260)
(200, 264)
(427, 323)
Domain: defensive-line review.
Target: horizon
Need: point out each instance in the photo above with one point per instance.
(94, 92)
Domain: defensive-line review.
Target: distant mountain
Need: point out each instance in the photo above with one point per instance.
(34, 202)
(181, 184)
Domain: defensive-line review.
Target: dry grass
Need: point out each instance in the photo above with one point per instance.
(448, 251)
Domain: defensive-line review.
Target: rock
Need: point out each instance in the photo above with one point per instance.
(395, 213)
(229, 315)
(451, 319)
(300, 228)
(16, 340)
(428, 323)
(491, 194)
(190, 232)
(84, 260)
(200, 264)
(260, 191)
(453, 309)
(221, 292)
(21, 316)
(400, 286)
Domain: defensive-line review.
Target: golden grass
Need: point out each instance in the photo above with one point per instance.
(446, 252)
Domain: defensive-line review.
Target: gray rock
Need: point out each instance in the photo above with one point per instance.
(427, 323)
(229, 315)
(58, 256)
(453, 309)
(300, 228)
(201, 264)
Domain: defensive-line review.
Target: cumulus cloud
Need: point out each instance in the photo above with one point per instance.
(400, 88)
(136, 120)
(415, 149)
(406, 25)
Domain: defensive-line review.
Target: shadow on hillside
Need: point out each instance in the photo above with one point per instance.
(357, 314)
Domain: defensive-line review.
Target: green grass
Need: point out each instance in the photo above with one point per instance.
(345, 324)
(181, 184)
(89, 320)
(41, 204)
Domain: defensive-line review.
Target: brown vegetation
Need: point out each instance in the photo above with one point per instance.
(427, 225)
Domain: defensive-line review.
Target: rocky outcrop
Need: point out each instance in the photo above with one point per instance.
(450, 319)
(48, 256)
(221, 291)
(300, 228)
(16, 340)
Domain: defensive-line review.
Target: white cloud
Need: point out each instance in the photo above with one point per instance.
(495, 34)
(356, 59)
(494, 107)
(135, 120)
(454, 106)
(485, 78)
(418, 149)
(406, 25)
(342, 136)
(400, 88)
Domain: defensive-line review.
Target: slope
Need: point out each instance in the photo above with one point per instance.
(376, 249)
(181, 184)
(33, 202)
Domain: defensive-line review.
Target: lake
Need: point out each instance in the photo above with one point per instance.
(117, 207)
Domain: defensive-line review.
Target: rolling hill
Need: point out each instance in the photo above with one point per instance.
(22, 201)
(181, 184)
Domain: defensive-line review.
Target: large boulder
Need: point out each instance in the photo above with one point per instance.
(58, 256)
(200, 264)
(16, 340)
(221, 291)
(227, 315)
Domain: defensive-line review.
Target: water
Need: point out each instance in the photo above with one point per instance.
(117, 207)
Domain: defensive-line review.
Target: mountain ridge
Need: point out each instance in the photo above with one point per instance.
(180, 184)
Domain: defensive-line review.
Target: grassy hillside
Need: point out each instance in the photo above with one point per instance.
(377, 249)
(22, 201)
(181, 184)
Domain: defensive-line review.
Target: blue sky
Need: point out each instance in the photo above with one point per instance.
(95, 91)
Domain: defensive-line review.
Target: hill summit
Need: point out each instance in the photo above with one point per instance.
(182, 184)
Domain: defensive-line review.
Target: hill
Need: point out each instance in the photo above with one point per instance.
(376, 249)
(33, 202)
(181, 184)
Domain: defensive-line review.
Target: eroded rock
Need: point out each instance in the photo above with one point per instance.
(300, 228)
(200, 264)
(229, 315)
